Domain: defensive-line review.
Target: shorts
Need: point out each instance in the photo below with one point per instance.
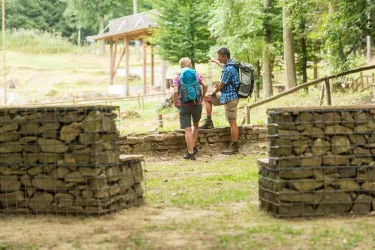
(231, 110)
(216, 99)
(187, 113)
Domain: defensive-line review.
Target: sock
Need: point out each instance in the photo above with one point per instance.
(235, 143)
(208, 118)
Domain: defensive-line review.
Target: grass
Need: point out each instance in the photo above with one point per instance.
(191, 205)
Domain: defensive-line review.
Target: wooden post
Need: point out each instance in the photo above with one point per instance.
(143, 102)
(321, 95)
(361, 78)
(139, 100)
(152, 65)
(328, 92)
(4, 53)
(247, 115)
(164, 76)
(367, 82)
(114, 57)
(209, 75)
(144, 66)
(111, 62)
(127, 51)
(373, 78)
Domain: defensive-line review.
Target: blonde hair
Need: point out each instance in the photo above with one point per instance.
(184, 62)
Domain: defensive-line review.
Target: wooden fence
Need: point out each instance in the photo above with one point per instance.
(363, 82)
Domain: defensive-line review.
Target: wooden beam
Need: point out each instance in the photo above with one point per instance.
(122, 56)
(152, 65)
(127, 51)
(144, 45)
(307, 84)
(114, 58)
(111, 63)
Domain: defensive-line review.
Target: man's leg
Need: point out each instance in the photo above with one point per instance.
(231, 115)
(207, 102)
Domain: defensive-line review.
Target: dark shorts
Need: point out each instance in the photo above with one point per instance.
(187, 113)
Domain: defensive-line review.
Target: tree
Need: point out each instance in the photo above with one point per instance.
(183, 30)
(94, 9)
(267, 63)
(290, 68)
(238, 25)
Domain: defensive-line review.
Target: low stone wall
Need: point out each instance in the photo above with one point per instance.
(321, 161)
(175, 141)
(64, 160)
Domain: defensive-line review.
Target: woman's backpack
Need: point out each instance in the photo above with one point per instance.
(189, 87)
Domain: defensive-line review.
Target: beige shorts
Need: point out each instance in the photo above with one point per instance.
(216, 99)
(231, 110)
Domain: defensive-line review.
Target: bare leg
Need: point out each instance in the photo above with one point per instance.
(189, 140)
(207, 102)
(234, 131)
(195, 134)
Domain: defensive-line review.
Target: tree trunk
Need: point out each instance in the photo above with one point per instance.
(79, 36)
(290, 67)
(137, 42)
(267, 65)
(257, 86)
(368, 49)
(304, 60)
(101, 27)
(316, 60)
(369, 42)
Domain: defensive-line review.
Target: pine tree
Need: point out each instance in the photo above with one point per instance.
(183, 30)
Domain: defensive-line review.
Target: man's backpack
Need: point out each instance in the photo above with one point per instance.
(246, 77)
(190, 90)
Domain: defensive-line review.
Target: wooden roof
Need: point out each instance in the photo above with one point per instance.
(130, 27)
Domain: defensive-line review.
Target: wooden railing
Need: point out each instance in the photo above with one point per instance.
(326, 90)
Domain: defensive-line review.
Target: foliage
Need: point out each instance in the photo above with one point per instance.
(183, 30)
(238, 25)
(34, 41)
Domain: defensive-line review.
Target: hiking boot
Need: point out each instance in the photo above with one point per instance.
(232, 149)
(195, 150)
(207, 124)
(188, 156)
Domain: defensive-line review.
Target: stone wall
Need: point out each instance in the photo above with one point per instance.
(175, 141)
(64, 160)
(321, 161)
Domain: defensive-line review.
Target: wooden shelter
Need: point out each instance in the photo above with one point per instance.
(128, 28)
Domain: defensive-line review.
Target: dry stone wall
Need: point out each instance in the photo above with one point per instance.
(64, 160)
(175, 141)
(321, 161)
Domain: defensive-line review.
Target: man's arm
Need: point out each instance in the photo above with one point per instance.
(217, 62)
(218, 88)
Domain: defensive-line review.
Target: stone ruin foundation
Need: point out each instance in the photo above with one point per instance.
(64, 160)
(321, 161)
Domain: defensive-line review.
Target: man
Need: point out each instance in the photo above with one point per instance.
(189, 109)
(228, 97)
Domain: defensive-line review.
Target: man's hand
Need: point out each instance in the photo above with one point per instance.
(214, 60)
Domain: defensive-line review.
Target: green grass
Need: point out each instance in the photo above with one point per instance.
(39, 42)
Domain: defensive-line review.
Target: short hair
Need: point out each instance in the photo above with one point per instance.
(184, 62)
(224, 52)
